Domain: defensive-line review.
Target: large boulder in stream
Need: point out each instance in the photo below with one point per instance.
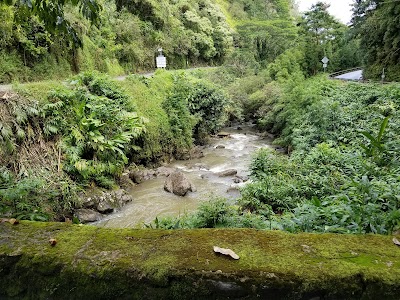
(178, 184)
(87, 215)
(226, 173)
(164, 171)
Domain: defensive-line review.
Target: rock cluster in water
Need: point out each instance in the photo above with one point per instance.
(101, 203)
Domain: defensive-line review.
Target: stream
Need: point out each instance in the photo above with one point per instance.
(151, 201)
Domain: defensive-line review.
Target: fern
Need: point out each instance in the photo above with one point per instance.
(98, 124)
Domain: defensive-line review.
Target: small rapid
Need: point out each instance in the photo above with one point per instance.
(151, 201)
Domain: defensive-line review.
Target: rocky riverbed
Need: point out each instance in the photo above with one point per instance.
(217, 170)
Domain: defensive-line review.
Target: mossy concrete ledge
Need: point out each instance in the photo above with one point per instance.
(96, 263)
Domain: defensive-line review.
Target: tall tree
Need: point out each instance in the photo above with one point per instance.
(322, 34)
(51, 13)
(377, 22)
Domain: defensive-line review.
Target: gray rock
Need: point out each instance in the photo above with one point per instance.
(242, 178)
(106, 201)
(125, 181)
(104, 207)
(281, 150)
(220, 147)
(178, 184)
(237, 180)
(194, 153)
(223, 134)
(126, 199)
(138, 176)
(226, 173)
(87, 215)
(164, 171)
(117, 195)
(88, 202)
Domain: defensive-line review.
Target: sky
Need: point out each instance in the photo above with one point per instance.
(341, 9)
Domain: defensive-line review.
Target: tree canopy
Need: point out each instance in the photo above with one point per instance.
(51, 13)
(381, 20)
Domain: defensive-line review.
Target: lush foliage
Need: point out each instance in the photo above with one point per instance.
(37, 197)
(195, 109)
(125, 39)
(322, 35)
(214, 213)
(51, 13)
(56, 139)
(98, 123)
(343, 172)
(376, 24)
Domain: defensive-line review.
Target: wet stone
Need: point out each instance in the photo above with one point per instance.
(87, 215)
(104, 207)
(227, 289)
(226, 173)
(223, 134)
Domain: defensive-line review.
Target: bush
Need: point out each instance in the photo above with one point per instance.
(343, 171)
(207, 104)
(98, 124)
(176, 106)
(36, 198)
(215, 213)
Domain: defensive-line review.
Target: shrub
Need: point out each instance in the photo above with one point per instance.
(98, 124)
(207, 104)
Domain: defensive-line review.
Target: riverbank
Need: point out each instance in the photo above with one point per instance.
(97, 263)
(58, 139)
(219, 172)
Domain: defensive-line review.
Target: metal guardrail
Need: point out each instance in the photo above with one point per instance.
(333, 75)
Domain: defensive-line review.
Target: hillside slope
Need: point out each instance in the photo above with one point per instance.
(130, 32)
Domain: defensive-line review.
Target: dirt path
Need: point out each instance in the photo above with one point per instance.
(5, 87)
(8, 87)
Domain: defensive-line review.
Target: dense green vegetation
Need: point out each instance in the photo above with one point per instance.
(341, 173)
(376, 25)
(125, 39)
(58, 139)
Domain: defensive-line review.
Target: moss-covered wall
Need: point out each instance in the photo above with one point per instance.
(95, 263)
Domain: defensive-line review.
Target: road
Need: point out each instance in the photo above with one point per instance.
(8, 87)
(5, 87)
(355, 75)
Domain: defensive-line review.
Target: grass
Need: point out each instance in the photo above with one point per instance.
(122, 260)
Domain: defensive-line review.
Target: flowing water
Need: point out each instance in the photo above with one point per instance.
(151, 201)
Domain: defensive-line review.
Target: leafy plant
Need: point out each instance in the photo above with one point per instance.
(376, 145)
(98, 123)
(36, 198)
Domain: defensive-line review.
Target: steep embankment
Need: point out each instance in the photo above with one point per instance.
(129, 33)
(126, 39)
(57, 139)
(95, 263)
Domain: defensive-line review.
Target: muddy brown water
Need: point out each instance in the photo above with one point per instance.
(151, 201)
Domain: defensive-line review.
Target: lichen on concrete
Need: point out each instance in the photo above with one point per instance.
(97, 263)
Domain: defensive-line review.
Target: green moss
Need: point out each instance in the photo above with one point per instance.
(37, 90)
(177, 264)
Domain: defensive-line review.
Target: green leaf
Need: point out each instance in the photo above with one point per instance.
(383, 127)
